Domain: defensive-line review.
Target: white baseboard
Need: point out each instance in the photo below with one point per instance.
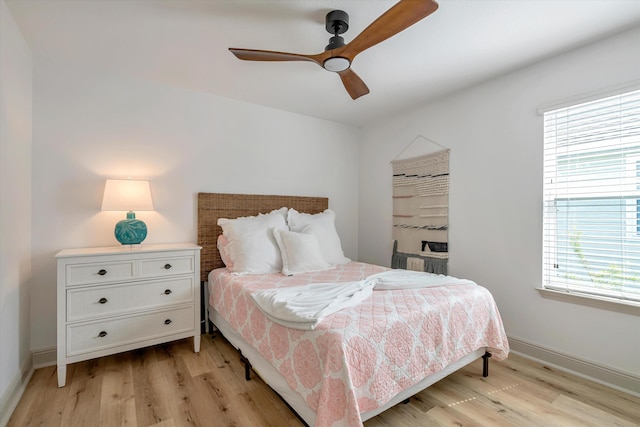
(11, 396)
(44, 357)
(619, 380)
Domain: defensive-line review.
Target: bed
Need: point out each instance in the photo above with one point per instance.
(359, 361)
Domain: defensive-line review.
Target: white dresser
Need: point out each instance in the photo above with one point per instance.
(116, 299)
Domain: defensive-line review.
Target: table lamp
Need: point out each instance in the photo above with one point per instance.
(128, 195)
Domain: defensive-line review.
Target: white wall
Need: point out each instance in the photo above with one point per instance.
(90, 125)
(16, 66)
(495, 137)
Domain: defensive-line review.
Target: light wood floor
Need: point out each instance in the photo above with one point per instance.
(169, 385)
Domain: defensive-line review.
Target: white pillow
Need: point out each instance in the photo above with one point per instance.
(301, 253)
(252, 247)
(322, 226)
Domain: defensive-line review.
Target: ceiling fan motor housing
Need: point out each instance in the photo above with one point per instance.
(335, 42)
(337, 22)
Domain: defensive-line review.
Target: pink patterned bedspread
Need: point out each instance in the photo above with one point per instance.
(357, 359)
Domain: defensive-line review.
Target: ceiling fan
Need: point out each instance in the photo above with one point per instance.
(338, 56)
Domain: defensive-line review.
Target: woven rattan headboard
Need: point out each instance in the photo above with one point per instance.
(212, 206)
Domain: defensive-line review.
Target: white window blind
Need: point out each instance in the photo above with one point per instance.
(591, 239)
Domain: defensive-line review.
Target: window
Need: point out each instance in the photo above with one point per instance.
(591, 242)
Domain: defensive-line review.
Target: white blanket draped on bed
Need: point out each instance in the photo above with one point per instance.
(303, 307)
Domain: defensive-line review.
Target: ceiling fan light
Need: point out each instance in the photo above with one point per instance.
(336, 64)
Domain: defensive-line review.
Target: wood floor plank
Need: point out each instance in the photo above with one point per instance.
(448, 416)
(216, 400)
(117, 401)
(229, 370)
(522, 408)
(498, 392)
(588, 392)
(82, 406)
(410, 417)
(470, 378)
(421, 403)
(170, 392)
(494, 413)
(170, 386)
(33, 407)
(254, 403)
(149, 408)
(197, 363)
(589, 414)
(165, 423)
(446, 393)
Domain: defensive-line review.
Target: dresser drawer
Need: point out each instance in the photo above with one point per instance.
(108, 300)
(169, 266)
(104, 272)
(96, 336)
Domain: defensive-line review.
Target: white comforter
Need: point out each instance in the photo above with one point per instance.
(303, 307)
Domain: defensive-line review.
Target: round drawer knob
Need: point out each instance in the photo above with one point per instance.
(167, 266)
(167, 322)
(102, 334)
(103, 300)
(167, 291)
(102, 272)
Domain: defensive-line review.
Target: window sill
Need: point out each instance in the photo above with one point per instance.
(627, 307)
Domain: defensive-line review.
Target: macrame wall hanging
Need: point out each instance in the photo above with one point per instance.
(421, 212)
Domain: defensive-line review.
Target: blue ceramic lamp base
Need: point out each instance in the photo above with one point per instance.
(130, 231)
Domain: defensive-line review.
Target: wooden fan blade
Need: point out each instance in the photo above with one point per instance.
(353, 83)
(400, 17)
(268, 55)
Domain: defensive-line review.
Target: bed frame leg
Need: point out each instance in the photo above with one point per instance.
(485, 364)
(247, 367)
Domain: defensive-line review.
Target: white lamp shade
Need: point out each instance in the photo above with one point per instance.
(127, 195)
